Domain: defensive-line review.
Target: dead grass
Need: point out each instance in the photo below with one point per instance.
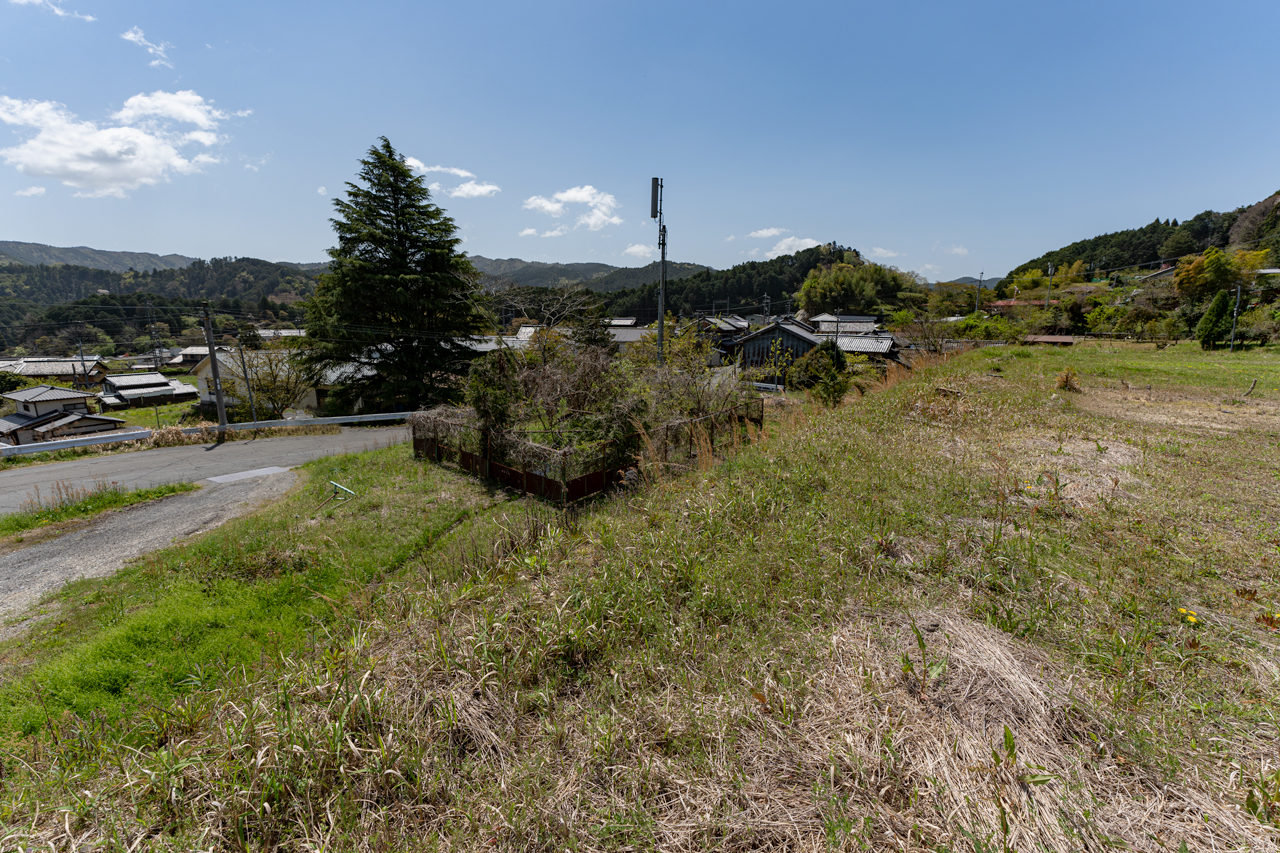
(720, 659)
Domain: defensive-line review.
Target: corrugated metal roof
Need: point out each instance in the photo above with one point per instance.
(869, 344)
(134, 380)
(45, 393)
(832, 327)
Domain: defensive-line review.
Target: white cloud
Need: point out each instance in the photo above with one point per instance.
(529, 232)
(930, 269)
(730, 238)
(471, 189)
(957, 250)
(543, 204)
(253, 164)
(184, 106)
(418, 166)
(53, 7)
(29, 191)
(600, 206)
(321, 191)
(639, 250)
(157, 50)
(436, 187)
(753, 252)
(143, 149)
(767, 232)
(877, 252)
(790, 245)
(559, 232)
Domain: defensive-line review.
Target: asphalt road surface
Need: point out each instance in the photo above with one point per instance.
(142, 468)
(102, 546)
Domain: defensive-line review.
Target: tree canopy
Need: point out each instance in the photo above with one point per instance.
(393, 315)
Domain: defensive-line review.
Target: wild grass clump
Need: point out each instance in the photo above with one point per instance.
(68, 500)
(1069, 380)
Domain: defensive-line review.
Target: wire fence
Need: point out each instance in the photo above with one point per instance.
(453, 436)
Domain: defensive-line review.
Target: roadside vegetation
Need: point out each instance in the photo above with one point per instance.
(69, 501)
(974, 609)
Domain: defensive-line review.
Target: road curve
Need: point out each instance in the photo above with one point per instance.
(142, 468)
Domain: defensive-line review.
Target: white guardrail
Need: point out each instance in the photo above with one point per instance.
(143, 434)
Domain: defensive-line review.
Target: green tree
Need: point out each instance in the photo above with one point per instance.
(838, 287)
(1199, 278)
(1216, 322)
(394, 315)
(1179, 244)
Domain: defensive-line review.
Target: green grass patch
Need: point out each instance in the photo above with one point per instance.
(84, 503)
(255, 588)
(170, 414)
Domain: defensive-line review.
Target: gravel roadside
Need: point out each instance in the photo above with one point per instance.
(104, 545)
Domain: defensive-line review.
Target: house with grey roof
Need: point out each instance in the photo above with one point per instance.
(45, 412)
(126, 390)
(71, 370)
(844, 324)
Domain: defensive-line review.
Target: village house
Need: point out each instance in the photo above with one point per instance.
(126, 390)
(45, 412)
(66, 371)
(844, 324)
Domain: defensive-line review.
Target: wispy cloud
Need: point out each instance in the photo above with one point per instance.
(322, 191)
(730, 238)
(560, 231)
(791, 245)
(471, 189)
(767, 232)
(639, 250)
(930, 269)
(145, 145)
(529, 232)
(253, 164)
(877, 252)
(957, 250)
(157, 50)
(418, 166)
(54, 8)
(600, 206)
(30, 191)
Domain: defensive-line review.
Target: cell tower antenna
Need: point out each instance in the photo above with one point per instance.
(655, 212)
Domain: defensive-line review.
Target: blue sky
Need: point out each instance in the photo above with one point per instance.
(949, 138)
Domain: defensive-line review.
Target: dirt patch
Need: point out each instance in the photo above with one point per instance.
(1078, 471)
(1180, 409)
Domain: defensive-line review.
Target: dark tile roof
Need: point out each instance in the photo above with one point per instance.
(46, 393)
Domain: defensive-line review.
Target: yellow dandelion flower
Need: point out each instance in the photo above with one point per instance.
(1192, 620)
(1182, 610)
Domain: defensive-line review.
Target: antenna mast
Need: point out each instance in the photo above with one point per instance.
(655, 212)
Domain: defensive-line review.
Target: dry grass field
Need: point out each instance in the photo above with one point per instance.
(971, 610)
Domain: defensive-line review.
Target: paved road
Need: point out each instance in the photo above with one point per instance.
(143, 468)
(104, 545)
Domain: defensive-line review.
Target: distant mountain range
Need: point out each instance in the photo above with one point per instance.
(968, 279)
(602, 278)
(34, 254)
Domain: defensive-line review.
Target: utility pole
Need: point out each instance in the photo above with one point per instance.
(253, 407)
(766, 308)
(1050, 290)
(1235, 314)
(655, 212)
(977, 294)
(217, 376)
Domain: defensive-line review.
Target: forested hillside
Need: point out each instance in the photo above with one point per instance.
(247, 279)
(740, 288)
(535, 273)
(34, 254)
(628, 277)
(1256, 226)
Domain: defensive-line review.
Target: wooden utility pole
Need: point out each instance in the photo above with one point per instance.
(216, 376)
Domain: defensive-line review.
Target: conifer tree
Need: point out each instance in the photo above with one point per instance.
(393, 316)
(1216, 322)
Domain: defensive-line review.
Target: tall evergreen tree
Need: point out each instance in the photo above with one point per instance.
(393, 315)
(1215, 325)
